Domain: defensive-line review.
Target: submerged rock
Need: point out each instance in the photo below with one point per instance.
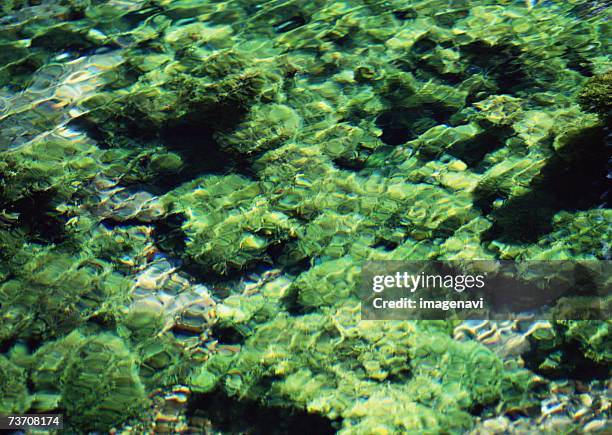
(595, 96)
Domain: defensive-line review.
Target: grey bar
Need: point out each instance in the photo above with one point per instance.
(486, 289)
(32, 421)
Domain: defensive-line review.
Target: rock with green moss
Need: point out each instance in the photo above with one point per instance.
(96, 376)
(229, 222)
(573, 236)
(595, 96)
(327, 283)
(218, 89)
(266, 126)
(594, 339)
(571, 347)
(373, 375)
(49, 293)
(14, 395)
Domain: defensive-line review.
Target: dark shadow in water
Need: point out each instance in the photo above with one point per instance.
(405, 14)
(292, 305)
(575, 181)
(228, 334)
(192, 137)
(229, 415)
(576, 62)
(349, 164)
(37, 217)
(61, 39)
(472, 151)
(502, 63)
(168, 234)
(290, 24)
(19, 72)
(401, 124)
(573, 364)
(201, 155)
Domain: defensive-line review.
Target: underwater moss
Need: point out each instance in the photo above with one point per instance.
(595, 96)
(572, 348)
(237, 229)
(367, 373)
(96, 376)
(50, 293)
(13, 388)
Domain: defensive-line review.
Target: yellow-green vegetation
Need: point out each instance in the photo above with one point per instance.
(595, 96)
(306, 137)
(95, 378)
(374, 376)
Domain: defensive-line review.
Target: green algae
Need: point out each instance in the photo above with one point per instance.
(95, 376)
(335, 133)
(15, 397)
(235, 228)
(50, 293)
(330, 363)
(595, 96)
